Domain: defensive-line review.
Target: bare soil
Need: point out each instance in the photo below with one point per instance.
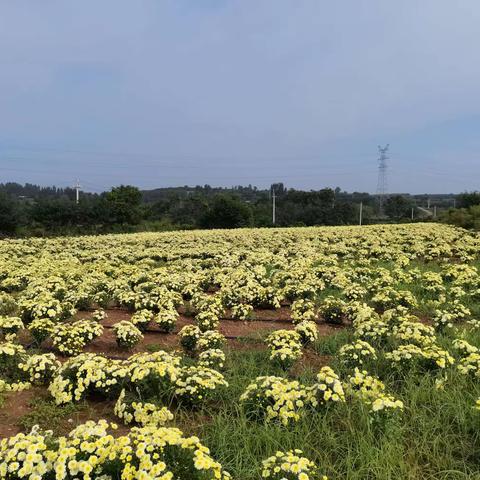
(16, 405)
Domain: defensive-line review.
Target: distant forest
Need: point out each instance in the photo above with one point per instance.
(42, 211)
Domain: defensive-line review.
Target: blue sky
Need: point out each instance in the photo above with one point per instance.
(159, 93)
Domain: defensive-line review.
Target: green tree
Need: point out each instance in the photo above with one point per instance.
(226, 211)
(123, 204)
(468, 199)
(8, 217)
(398, 207)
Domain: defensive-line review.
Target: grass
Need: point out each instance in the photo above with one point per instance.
(329, 345)
(49, 416)
(437, 437)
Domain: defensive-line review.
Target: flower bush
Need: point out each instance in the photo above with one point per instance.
(328, 388)
(333, 310)
(210, 339)
(85, 374)
(242, 311)
(141, 319)
(431, 357)
(8, 304)
(40, 329)
(388, 297)
(127, 334)
(10, 326)
(91, 452)
(189, 336)
(414, 333)
(70, 339)
(152, 374)
(289, 466)
(463, 347)
(285, 347)
(207, 320)
(470, 364)
(357, 353)
(195, 384)
(374, 331)
(12, 378)
(141, 413)
(99, 315)
(308, 332)
(166, 319)
(40, 368)
(303, 310)
(212, 358)
(371, 391)
(275, 399)
(44, 305)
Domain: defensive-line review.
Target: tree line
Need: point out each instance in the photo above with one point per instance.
(467, 215)
(33, 210)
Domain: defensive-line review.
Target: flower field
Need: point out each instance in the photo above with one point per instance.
(301, 353)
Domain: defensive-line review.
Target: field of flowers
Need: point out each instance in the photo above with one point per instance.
(301, 353)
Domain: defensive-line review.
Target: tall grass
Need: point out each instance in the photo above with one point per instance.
(436, 437)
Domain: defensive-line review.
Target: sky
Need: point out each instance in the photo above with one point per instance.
(160, 93)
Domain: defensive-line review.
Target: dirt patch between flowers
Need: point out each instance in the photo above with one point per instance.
(16, 405)
(236, 331)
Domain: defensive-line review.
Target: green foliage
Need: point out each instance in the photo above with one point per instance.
(124, 204)
(30, 210)
(464, 217)
(398, 207)
(227, 211)
(8, 213)
(48, 415)
(468, 199)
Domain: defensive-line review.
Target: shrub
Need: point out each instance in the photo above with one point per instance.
(289, 465)
(9, 327)
(308, 332)
(196, 384)
(327, 389)
(166, 319)
(285, 347)
(40, 368)
(333, 310)
(275, 399)
(212, 358)
(127, 334)
(357, 353)
(189, 336)
(41, 329)
(141, 413)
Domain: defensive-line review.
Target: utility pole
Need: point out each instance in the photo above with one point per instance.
(360, 216)
(77, 188)
(412, 213)
(273, 206)
(454, 203)
(435, 211)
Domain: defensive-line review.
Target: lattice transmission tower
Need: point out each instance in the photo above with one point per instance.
(382, 175)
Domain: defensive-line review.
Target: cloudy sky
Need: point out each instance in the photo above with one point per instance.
(159, 93)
